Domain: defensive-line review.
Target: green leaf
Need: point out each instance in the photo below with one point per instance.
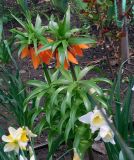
(67, 130)
(55, 75)
(55, 94)
(71, 32)
(55, 45)
(55, 143)
(90, 84)
(64, 106)
(66, 20)
(45, 47)
(53, 26)
(36, 83)
(84, 72)
(73, 116)
(61, 52)
(62, 121)
(66, 74)
(33, 94)
(38, 99)
(86, 101)
(39, 127)
(69, 93)
(101, 80)
(34, 115)
(101, 101)
(77, 40)
(19, 21)
(38, 23)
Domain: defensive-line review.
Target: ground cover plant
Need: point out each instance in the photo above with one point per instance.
(74, 107)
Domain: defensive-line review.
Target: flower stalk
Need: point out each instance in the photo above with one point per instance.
(47, 76)
(73, 72)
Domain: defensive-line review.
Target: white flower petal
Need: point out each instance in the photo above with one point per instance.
(97, 111)
(133, 88)
(93, 128)
(29, 133)
(6, 138)
(97, 138)
(112, 141)
(10, 147)
(12, 131)
(22, 145)
(86, 118)
(107, 134)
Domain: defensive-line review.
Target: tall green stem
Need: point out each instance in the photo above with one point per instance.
(73, 72)
(47, 76)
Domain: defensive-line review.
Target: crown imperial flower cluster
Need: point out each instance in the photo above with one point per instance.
(97, 123)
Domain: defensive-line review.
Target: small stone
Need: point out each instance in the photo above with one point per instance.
(99, 147)
(22, 71)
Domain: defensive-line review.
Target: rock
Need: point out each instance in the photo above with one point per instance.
(99, 147)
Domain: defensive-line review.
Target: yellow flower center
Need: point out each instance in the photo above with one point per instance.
(97, 120)
(24, 136)
(108, 135)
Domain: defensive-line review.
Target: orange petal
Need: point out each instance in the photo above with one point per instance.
(77, 50)
(66, 65)
(83, 46)
(46, 56)
(35, 58)
(57, 60)
(25, 52)
(71, 58)
(49, 40)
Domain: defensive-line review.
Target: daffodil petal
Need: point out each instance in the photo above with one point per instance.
(29, 133)
(12, 131)
(97, 138)
(94, 128)
(7, 138)
(10, 147)
(107, 134)
(86, 118)
(112, 141)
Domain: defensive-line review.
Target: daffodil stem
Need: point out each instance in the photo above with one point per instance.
(32, 145)
(73, 72)
(23, 155)
(47, 76)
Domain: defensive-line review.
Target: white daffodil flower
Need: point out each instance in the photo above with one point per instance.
(106, 134)
(15, 140)
(29, 133)
(133, 88)
(95, 119)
